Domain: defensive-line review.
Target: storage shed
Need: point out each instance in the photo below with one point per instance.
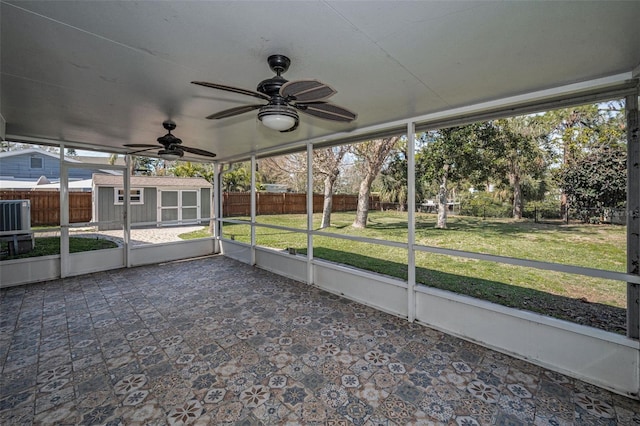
(165, 200)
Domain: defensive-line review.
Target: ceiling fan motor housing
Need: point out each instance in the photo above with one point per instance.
(169, 125)
(278, 63)
(271, 86)
(169, 140)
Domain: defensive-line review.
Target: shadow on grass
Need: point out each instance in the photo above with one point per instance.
(465, 223)
(346, 225)
(598, 315)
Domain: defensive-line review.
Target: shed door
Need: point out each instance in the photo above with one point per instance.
(178, 206)
(189, 206)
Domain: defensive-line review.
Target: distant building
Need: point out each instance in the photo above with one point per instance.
(35, 168)
(275, 187)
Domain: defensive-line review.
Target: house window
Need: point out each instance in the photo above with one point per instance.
(136, 195)
(36, 162)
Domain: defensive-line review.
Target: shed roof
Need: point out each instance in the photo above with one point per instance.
(151, 181)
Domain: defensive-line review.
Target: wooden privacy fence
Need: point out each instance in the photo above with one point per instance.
(239, 203)
(45, 206)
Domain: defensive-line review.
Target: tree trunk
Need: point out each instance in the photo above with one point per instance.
(564, 210)
(363, 204)
(374, 153)
(517, 196)
(442, 201)
(327, 205)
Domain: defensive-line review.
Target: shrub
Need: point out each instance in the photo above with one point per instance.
(482, 204)
(549, 208)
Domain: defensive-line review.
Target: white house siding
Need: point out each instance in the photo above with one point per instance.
(16, 165)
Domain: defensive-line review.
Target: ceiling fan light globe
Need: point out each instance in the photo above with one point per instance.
(278, 122)
(278, 117)
(169, 155)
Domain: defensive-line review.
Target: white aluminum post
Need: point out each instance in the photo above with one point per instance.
(217, 205)
(411, 221)
(212, 207)
(126, 208)
(633, 215)
(309, 213)
(64, 216)
(253, 210)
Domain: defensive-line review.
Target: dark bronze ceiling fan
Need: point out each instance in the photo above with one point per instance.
(284, 99)
(171, 146)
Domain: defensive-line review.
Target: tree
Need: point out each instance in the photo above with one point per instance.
(575, 131)
(143, 166)
(6, 146)
(596, 181)
(140, 165)
(289, 169)
(517, 156)
(327, 162)
(394, 183)
(237, 179)
(451, 155)
(372, 156)
(189, 169)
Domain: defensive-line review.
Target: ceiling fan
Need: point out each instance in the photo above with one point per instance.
(172, 148)
(284, 99)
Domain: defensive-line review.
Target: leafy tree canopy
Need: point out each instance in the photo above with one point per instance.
(596, 181)
(189, 169)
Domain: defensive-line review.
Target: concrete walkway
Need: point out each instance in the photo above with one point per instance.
(140, 236)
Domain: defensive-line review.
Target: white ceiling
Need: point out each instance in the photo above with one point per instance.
(106, 73)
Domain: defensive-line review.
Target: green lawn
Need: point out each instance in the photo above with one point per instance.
(45, 246)
(595, 246)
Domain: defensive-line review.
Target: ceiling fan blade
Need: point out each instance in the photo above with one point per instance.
(197, 151)
(232, 89)
(233, 111)
(144, 150)
(141, 145)
(327, 111)
(307, 91)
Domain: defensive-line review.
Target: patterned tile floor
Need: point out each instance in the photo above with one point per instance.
(214, 341)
